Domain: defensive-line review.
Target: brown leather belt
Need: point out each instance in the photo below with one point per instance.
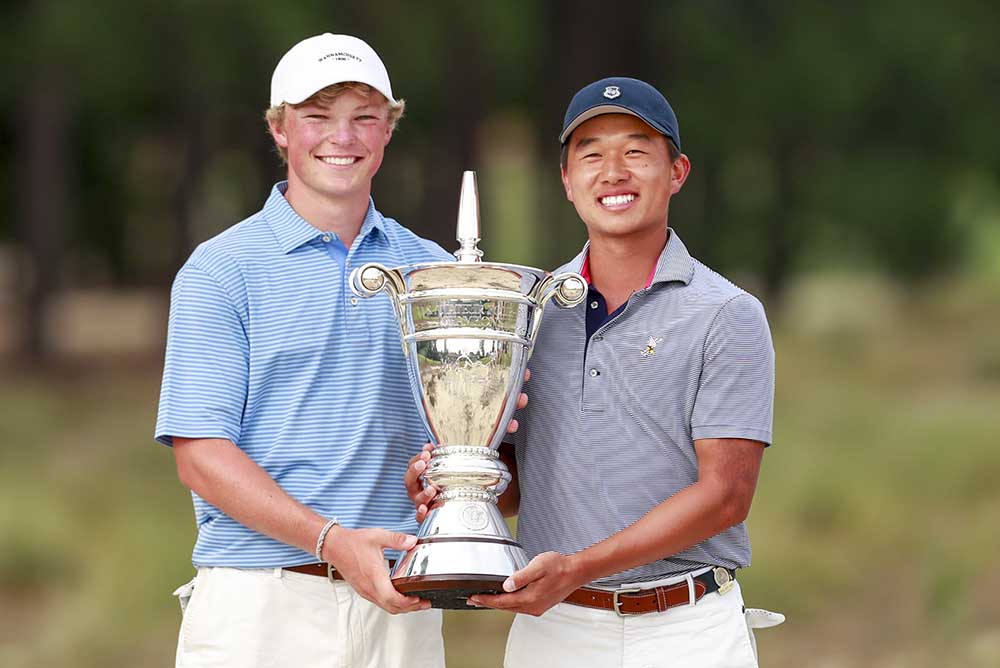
(323, 570)
(636, 601)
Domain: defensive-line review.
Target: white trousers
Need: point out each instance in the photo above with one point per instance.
(270, 618)
(713, 633)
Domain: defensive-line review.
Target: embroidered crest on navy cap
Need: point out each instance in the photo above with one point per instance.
(611, 92)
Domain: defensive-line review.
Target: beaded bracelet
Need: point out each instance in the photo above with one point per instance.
(322, 537)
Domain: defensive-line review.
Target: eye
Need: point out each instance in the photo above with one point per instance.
(319, 117)
(366, 117)
(590, 156)
(635, 151)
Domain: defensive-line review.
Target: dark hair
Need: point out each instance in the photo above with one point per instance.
(672, 151)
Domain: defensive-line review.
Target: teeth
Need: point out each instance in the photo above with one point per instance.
(617, 200)
(338, 161)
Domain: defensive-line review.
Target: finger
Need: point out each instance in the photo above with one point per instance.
(392, 600)
(512, 426)
(527, 374)
(424, 497)
(429, 489)
(522, 400)
(424, 454)
(421, 514)
(428, 447)
(497, 601)
(412, 477)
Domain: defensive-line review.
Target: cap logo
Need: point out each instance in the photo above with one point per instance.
(611, 92)
(340, 55)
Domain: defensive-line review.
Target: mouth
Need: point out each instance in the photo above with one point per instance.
(339, 161)
(617, 202)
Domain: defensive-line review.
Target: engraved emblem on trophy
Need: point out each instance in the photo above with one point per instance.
(467, 328)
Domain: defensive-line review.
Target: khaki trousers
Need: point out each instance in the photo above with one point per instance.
(271, 618)
(712, 633)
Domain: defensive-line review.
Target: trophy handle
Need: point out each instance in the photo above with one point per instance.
(372, 278)
(567, 289)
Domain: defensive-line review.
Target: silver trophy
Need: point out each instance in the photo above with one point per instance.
(467, 330)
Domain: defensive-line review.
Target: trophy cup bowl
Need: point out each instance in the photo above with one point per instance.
(467, 331)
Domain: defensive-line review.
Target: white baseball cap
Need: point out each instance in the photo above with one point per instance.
(324, 60)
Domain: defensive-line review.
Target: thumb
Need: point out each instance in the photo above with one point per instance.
(400, 541)
(533, 571)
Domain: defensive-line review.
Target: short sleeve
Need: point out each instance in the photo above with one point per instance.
(736, 392)
(205, 372)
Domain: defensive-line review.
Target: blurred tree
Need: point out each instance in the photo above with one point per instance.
(821, 135)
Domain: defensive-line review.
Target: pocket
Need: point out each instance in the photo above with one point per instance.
(758, 618)
(184, 592)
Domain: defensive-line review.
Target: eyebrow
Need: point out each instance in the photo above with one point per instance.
(587, 141)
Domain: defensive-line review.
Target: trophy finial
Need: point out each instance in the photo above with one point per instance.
(468, 220)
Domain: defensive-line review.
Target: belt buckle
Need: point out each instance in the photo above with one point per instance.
(723, 579)
(330, 570)
(616, 602)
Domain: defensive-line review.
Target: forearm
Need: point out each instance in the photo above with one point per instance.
(696, 513)
(222, 474)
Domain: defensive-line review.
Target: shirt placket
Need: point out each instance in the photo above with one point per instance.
(596, 379)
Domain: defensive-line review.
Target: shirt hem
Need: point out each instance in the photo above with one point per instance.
(729, 431)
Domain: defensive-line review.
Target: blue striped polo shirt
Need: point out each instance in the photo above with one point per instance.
(609, 432)
(268, 347)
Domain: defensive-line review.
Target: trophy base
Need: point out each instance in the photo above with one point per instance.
(447, 571)
(449, 592)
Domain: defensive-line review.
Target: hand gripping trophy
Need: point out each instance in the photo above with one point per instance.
(467, 330)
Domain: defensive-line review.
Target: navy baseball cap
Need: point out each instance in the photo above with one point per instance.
(621, 95)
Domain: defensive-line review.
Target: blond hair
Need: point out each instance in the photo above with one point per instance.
(276, 115)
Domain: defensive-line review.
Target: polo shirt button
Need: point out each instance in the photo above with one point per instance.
(354, 301)
(594, 304)
(326, 238)
(594, 373)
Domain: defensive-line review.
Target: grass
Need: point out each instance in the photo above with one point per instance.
(874, 526)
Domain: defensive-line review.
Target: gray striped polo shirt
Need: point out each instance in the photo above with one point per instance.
(609, 431)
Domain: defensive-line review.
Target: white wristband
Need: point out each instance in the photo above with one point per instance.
(322, 537)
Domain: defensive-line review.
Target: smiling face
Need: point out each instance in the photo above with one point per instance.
(620, 177)
(334, 148)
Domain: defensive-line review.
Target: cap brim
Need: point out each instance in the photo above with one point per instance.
(304, 92)
(607, 109)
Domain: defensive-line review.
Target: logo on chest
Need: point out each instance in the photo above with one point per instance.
(650, 348)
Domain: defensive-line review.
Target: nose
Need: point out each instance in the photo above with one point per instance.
(614, 169)
(342, 132)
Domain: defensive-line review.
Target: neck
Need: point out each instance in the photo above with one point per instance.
(341, 215)
(619, 267)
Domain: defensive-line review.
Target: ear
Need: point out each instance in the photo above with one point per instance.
(565, 182)
(278, 134)
(679, 172)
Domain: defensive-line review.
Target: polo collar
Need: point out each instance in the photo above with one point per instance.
(674, 263)
(291, 230)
